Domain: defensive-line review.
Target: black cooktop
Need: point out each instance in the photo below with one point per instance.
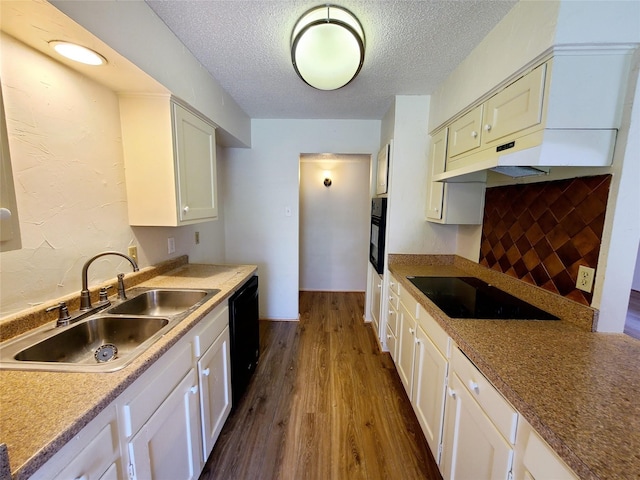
(468, 297)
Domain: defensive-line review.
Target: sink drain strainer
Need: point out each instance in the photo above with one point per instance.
(106, 352)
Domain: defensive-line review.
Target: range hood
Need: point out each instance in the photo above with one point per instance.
(536, 154)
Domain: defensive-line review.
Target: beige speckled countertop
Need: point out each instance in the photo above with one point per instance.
(580, 390)
(42, 411)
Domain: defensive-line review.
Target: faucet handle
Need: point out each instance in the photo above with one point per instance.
(63, 313)
(103, 294)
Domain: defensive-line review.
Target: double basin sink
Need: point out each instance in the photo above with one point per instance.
(106, 341)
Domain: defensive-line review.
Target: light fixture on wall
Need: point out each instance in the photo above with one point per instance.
(78, 53)
(327, 47)
(327, 178)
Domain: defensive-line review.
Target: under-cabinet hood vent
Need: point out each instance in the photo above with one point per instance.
(517, 172)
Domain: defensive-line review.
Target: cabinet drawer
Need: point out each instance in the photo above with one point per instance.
(410, 303)
(394, 286)
(501, 413)
(94, 459)
(394, 299)
(392, 319)
(215, 323)
(391, 343)
(153, 387)
(434, 331)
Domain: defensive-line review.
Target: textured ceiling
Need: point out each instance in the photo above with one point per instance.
(411, 48)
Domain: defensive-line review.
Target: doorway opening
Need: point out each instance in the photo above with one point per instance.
(632, 323)
(334, 222)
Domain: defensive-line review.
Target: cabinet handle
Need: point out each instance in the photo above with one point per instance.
(186, 209)
(487, 127)
(418, 341)
(206, 372)
(412, 331)
(379, 285)
(194, 389)
(474, 386)
(452, 393)
(474, 134)
(390, 312)
(388, 337)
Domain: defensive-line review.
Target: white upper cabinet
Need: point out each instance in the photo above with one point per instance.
(564, 111)
(452, 203)
(517, 107)
(170, 162)
(382, 182)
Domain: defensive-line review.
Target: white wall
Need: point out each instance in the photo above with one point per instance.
(66, 153)
(334, 222)
(408, 231)
(263, 181)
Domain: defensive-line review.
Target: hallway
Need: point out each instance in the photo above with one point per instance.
(323, 404)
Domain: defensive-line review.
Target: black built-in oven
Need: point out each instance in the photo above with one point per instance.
(378, 228)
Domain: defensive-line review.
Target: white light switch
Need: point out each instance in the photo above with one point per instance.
(171, 244)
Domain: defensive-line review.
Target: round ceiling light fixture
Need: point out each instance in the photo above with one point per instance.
(77, 53)
(327, 47)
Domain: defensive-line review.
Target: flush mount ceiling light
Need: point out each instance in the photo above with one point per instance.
(327, 47)
(77, 53)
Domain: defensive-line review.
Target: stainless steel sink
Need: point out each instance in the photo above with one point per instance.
(106, 341)
(84, 342)
(161, 302)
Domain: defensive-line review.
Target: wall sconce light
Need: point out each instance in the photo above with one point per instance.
(327, 47)
(78, 53)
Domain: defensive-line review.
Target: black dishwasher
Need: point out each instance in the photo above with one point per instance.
(245, 337)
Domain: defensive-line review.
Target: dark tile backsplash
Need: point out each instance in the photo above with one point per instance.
(542, 232)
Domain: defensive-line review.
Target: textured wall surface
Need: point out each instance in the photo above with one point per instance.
(542, 232)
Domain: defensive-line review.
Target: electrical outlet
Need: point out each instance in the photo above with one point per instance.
(585, 278)
(197, 238)
(133, 252)
(171, 243)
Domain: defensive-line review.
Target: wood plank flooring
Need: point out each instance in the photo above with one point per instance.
(324, 403)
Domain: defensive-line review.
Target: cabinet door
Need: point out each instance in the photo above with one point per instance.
(429, 378)
(437, 159)
(195, 151)
(168, 445)
(406, 347)
(464, 133)
(376, 289)
(214, 371)
(517, 107)
(472, 447)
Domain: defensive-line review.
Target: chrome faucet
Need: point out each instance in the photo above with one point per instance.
(85, 298)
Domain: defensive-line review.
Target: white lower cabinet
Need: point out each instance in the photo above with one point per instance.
(215, 390)
(406, 347)
(168, 445)
(534, 458)
(164, 425)
(429, 379)
(93, 454)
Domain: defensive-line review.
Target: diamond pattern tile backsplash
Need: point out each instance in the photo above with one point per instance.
(542, 232)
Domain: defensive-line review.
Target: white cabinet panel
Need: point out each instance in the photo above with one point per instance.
(517, 107)
(464, 133)
(214, 371)
(156, 454)
(472, 447)
(429, 379)
(406, 347)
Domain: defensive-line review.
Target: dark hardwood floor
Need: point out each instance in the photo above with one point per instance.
(324, 403)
